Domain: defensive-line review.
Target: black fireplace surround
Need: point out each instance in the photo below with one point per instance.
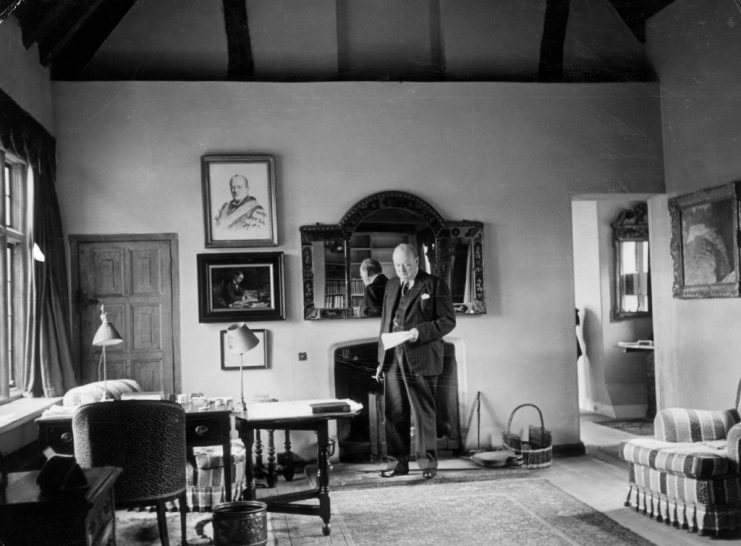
(354, 368)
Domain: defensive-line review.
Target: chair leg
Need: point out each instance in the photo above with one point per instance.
(183, 502)
(162, 523)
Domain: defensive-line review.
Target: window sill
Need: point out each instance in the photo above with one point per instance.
(18, 412)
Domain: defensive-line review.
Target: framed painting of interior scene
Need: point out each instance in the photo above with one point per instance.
(239, 200)
(257, 358)
(236, 287)
(704, 244)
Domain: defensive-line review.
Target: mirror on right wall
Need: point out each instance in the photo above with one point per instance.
(632, 297)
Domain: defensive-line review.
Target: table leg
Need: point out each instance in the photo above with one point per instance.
(227, 462)
(323, 475)
(259, 467)
(271, 458)
(288, 470)
(246, 434)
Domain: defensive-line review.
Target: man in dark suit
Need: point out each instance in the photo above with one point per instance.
(374, 281)
(419, 307)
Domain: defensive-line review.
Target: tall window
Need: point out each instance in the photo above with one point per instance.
(14, 268)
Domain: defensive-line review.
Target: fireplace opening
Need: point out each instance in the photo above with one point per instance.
(358, 438)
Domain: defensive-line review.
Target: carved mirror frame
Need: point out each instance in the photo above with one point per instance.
(631, 225)
(445, 234)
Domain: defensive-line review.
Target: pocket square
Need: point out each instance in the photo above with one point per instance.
(425, 296)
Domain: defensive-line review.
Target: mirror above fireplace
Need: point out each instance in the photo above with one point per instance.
(332, 253)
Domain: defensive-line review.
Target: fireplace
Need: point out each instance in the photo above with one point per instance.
(354, 368)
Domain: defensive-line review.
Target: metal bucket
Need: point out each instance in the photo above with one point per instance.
(243, 523)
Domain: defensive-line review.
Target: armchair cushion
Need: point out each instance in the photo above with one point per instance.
(699, 460)
(733, 443)
(93, 392)
(689, 425)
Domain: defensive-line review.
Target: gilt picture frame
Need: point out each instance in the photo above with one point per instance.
(257, 358)
(239, 200)
(705, 243)
(240, 287)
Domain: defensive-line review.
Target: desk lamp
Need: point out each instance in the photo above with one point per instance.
(105, 336)
(241, 339)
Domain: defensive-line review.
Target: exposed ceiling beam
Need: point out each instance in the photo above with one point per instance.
(556, 18)
(56, 25)
(239, 44)
(71, 54)
(635, 13)
(7, 7)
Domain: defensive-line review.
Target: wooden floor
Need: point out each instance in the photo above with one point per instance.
(598, 479)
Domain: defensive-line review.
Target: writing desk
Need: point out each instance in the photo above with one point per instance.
(30, 517)
(318, 423)
(203, 427)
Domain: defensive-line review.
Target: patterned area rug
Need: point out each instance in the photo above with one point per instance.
(639, 427)
(512, 512)
(515, 512)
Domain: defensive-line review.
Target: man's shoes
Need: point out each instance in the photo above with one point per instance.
(401, 469)
(429, 473)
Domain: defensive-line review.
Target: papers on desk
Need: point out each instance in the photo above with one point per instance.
(301, 408)
(392, 339)
(60, 410)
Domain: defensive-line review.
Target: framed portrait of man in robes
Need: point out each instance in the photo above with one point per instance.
(239, 200)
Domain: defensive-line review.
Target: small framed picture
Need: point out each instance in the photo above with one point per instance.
(239, 200)
(240, 287)
(257, 358)
(704, 244)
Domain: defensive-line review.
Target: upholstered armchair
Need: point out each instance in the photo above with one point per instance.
(689, 474)
(146, 438)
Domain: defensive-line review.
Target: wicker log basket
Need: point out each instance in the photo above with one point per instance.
(537, 450)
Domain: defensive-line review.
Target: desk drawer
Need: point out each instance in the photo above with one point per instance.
(206, 430)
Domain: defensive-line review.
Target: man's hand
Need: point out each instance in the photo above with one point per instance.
(414, 335)
(379, 373)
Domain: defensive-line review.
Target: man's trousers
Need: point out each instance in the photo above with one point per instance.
(410, 397)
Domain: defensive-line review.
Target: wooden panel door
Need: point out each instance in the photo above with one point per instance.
(134, 277)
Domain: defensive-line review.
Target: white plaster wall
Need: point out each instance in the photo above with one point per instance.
(614, 381)
(694, 47)
(510, 155)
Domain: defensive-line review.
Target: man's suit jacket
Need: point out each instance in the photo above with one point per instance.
(430, 311)
(373, 296)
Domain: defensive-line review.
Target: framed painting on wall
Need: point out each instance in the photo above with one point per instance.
(239, 200)
(704, 243)
(257, 358)
(240, 287)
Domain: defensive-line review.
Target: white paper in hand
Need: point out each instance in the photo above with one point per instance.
(392, 339)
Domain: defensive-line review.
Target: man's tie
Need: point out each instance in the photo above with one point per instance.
(404, 289)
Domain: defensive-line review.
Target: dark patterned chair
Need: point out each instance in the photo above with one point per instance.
(688, 474)
(146, 438)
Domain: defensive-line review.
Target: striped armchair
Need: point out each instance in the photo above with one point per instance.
(688, 475)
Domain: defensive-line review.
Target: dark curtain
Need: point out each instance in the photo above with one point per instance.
(49, 370)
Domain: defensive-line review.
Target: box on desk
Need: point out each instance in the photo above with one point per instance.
(300, 408)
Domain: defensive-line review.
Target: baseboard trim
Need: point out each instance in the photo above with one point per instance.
(569, 450)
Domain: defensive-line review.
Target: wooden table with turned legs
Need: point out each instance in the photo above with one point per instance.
(285, 503)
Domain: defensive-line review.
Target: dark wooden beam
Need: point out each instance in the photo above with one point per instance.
(75, 50)
(436, 41)
(239, 45)
(7, 7)
(635, 13)
(556, 18)
(56, 25)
